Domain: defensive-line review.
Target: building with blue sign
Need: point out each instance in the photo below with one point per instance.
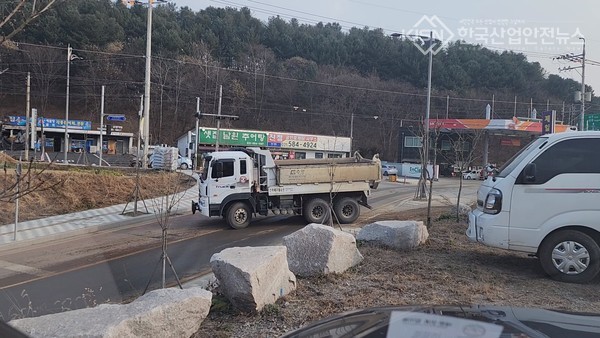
(48, 135)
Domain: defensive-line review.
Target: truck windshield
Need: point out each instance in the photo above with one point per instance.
(510, 165)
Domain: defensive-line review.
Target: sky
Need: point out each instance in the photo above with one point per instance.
(542, 30)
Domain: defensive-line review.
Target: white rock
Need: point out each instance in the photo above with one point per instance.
(318, 249)
(252, 277)
(160, 313)
(398, 235)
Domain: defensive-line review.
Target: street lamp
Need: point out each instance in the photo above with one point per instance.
(70, 57)
(423, 177)
(582, 117)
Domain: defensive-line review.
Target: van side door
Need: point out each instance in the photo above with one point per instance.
(560, 187)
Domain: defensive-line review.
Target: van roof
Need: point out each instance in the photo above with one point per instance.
(572, 134)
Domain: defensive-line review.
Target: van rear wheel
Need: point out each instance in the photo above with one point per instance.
(570, 256)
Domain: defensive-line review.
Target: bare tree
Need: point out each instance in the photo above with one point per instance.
(164, 207)
(463, 146)
(32, 180)
(18, 14)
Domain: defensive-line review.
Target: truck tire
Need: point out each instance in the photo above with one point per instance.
(183, 166)
(238, 215)
(570, 256)
(347, 210)
(316, 210)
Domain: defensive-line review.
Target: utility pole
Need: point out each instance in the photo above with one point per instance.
(582, 116)
(351, 132)
(219, 118)
(66, 150)
(28, 117)
(578, 58)
(146, 127)
(515, 110)
(447, 105)
(197, 134)
(101, 125)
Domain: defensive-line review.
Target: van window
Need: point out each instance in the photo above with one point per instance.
(577, 156)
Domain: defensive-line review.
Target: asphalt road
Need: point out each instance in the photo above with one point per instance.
(78, 284)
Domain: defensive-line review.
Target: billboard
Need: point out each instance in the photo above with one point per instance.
(277, 140)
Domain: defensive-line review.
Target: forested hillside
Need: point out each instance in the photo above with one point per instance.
(276, 75)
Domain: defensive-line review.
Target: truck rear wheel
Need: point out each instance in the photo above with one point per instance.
(238, 215)
(347, 210)
(570, 256)
(316, 210)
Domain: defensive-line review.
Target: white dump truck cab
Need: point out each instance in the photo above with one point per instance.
(243, 182)
(545, 201)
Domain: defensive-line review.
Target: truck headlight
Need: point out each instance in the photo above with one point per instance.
(493, 202)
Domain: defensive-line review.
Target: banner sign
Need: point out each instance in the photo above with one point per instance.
(277, 140)
(233, 137)
(548, 118)
(51, 123)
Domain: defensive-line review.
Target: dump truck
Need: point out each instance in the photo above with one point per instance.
(241, 183)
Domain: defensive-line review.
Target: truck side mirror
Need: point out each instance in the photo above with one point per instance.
(529, 172)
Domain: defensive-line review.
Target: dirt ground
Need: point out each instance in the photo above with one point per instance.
(447, 270)
(57, 190)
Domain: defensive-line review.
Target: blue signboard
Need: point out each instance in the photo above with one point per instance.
(117, 118)
(51, 123)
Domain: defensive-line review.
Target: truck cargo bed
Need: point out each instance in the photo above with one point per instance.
(327, 170)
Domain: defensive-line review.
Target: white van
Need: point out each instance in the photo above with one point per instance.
(546, 201)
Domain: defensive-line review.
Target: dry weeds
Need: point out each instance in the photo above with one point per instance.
(447, 270)
(83, 189)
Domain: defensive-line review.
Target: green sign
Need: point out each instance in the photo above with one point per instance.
(233, 137)
(591, 122)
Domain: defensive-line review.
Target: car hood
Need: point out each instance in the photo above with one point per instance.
(452, 321)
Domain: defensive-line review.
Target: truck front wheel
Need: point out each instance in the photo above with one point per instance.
(347, 210)
(570, 256)
(238, 215)
(316, 210)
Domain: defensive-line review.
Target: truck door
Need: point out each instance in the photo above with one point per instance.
(227, 177)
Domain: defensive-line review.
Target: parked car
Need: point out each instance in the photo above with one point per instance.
(389, 170)
(184, 163)
(471, 175)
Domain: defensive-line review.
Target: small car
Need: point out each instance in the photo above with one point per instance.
(471, 175)
(184, 163)
(389, 170)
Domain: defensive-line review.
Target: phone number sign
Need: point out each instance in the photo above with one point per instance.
(292, 141)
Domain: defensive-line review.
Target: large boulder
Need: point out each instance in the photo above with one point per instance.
(399, 235)
(317, 249)
(252, 277)
(160, 313)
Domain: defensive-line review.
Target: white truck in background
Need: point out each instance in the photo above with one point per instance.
(545, 201)
(239, 183)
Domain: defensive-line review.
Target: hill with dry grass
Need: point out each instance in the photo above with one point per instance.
(58, 190)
